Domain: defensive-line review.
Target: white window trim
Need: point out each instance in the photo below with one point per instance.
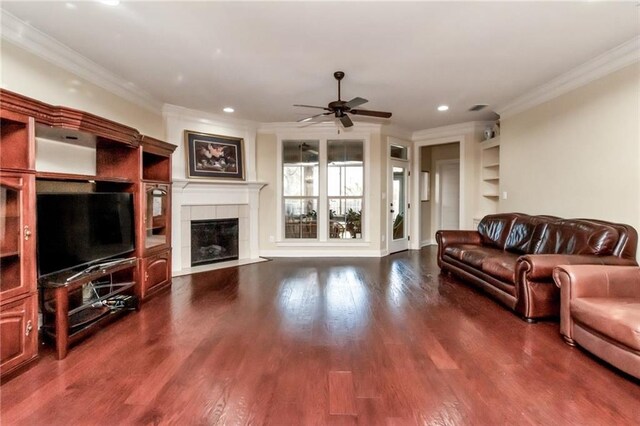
(323, 240)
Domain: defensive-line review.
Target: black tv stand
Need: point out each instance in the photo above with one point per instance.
(74, 306)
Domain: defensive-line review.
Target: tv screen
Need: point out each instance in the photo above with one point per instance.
(79, 229)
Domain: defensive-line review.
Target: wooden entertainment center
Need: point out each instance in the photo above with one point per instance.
(125, 161)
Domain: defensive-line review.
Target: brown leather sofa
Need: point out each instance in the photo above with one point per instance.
(511, 256)
(600, 311)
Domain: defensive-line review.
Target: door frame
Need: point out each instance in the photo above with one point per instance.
(419, 142)
(438, 191)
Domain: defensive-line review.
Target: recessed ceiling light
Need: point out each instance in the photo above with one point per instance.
(110, 2)
(228, 109)
(70, 5)
(443, 107)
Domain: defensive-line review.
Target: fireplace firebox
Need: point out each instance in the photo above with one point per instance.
(213, 241)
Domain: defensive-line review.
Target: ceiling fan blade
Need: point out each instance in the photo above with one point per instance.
(304, 120)
(380, 114)
(312, 106)
(346, 121)
(355, 102)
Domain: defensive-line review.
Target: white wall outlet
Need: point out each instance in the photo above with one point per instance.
(504, 195)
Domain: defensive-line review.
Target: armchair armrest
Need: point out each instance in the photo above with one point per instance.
(592, 281)
(536, 266)
(598, 281)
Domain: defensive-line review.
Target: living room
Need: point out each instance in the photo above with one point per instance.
(563, 113)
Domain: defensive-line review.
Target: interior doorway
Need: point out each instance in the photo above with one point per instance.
(441, 204)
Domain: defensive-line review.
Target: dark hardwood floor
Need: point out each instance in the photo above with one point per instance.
(323, 341)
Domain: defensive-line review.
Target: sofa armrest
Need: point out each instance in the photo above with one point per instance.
(445, 238)
(537, 266)
(592, 281)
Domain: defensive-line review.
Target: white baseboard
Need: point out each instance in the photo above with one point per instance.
(427, 243)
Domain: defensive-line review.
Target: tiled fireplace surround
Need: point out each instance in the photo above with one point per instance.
(201, 200)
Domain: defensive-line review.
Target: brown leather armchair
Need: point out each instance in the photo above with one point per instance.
(600, 311)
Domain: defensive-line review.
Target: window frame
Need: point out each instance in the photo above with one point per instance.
(323, 240)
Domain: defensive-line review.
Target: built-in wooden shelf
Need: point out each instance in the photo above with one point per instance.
(153, 181)
(80, 178)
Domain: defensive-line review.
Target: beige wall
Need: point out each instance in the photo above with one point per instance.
(27, 74)
(577, 155)
(267, 169)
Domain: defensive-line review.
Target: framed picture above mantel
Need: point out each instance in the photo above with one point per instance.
(214, 156)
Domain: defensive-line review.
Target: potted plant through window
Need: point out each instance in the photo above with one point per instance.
(353, 223)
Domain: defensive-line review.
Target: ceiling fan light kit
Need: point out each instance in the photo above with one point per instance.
(341, 108)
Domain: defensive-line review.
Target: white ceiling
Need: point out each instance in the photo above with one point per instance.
(405, 57)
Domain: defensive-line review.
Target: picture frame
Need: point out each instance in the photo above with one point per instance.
(214, 156)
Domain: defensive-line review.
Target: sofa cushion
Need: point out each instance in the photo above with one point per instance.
(615, 318)
(574, 237)
(494, 229)
(523, 230)
(471, 254)
(501, 266)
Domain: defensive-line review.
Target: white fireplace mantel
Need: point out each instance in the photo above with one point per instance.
(201, 192)
(205, 184)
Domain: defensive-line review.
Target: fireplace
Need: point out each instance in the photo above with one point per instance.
(214, 240)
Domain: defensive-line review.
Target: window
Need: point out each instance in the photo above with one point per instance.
(345, 188)
(300, 188)
(322, 189)
(398, 152)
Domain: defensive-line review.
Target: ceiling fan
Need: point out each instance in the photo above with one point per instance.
(341, 108)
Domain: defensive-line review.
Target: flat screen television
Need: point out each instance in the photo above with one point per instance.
(77, 230)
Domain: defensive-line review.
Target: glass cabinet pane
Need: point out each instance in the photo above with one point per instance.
(10, 208)
(156, 216)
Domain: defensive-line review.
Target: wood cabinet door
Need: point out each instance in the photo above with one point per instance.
(157, 217)
(156, 272)
(17, 232)
(18, 333)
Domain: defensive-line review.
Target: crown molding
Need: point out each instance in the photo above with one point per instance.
(611, 61)
(451, 130)
(38, 43)
(219, 120)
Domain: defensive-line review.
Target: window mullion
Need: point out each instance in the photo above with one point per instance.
(323, 203)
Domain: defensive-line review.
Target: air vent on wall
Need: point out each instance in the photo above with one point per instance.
(478, 107)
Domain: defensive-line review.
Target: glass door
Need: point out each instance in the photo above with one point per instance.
(17, 243)
(156, 219)
(398, 207)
